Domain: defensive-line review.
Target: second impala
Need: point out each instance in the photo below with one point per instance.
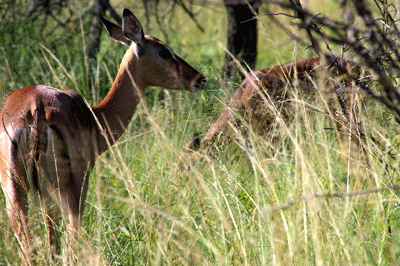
(267, 96)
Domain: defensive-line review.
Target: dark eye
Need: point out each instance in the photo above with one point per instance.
(165, 54)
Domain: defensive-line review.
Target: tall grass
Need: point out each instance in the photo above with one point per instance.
(311, 201)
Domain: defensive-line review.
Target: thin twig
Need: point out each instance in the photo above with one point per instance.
(329, 196)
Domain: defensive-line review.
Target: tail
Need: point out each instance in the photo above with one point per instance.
(25, 142)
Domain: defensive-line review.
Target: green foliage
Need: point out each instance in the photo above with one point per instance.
(258, 206)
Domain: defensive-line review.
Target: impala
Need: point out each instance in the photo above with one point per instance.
(266, 94)
(50, 139)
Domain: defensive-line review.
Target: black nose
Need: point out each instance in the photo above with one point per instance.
(202, 81)
(199, 83)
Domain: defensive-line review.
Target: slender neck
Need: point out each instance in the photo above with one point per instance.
(116, 110)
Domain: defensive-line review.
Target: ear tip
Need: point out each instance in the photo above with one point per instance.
(127, 12)
(106, 23)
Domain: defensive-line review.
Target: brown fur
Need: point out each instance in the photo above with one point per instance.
(266, 94)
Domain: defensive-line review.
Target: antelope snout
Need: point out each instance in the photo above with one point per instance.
(198, 83)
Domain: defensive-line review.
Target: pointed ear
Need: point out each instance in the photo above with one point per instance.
(132, 28)
(115, 32)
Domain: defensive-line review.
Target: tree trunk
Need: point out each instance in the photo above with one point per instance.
(242, 34)
(95, 29)
(99, 9)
